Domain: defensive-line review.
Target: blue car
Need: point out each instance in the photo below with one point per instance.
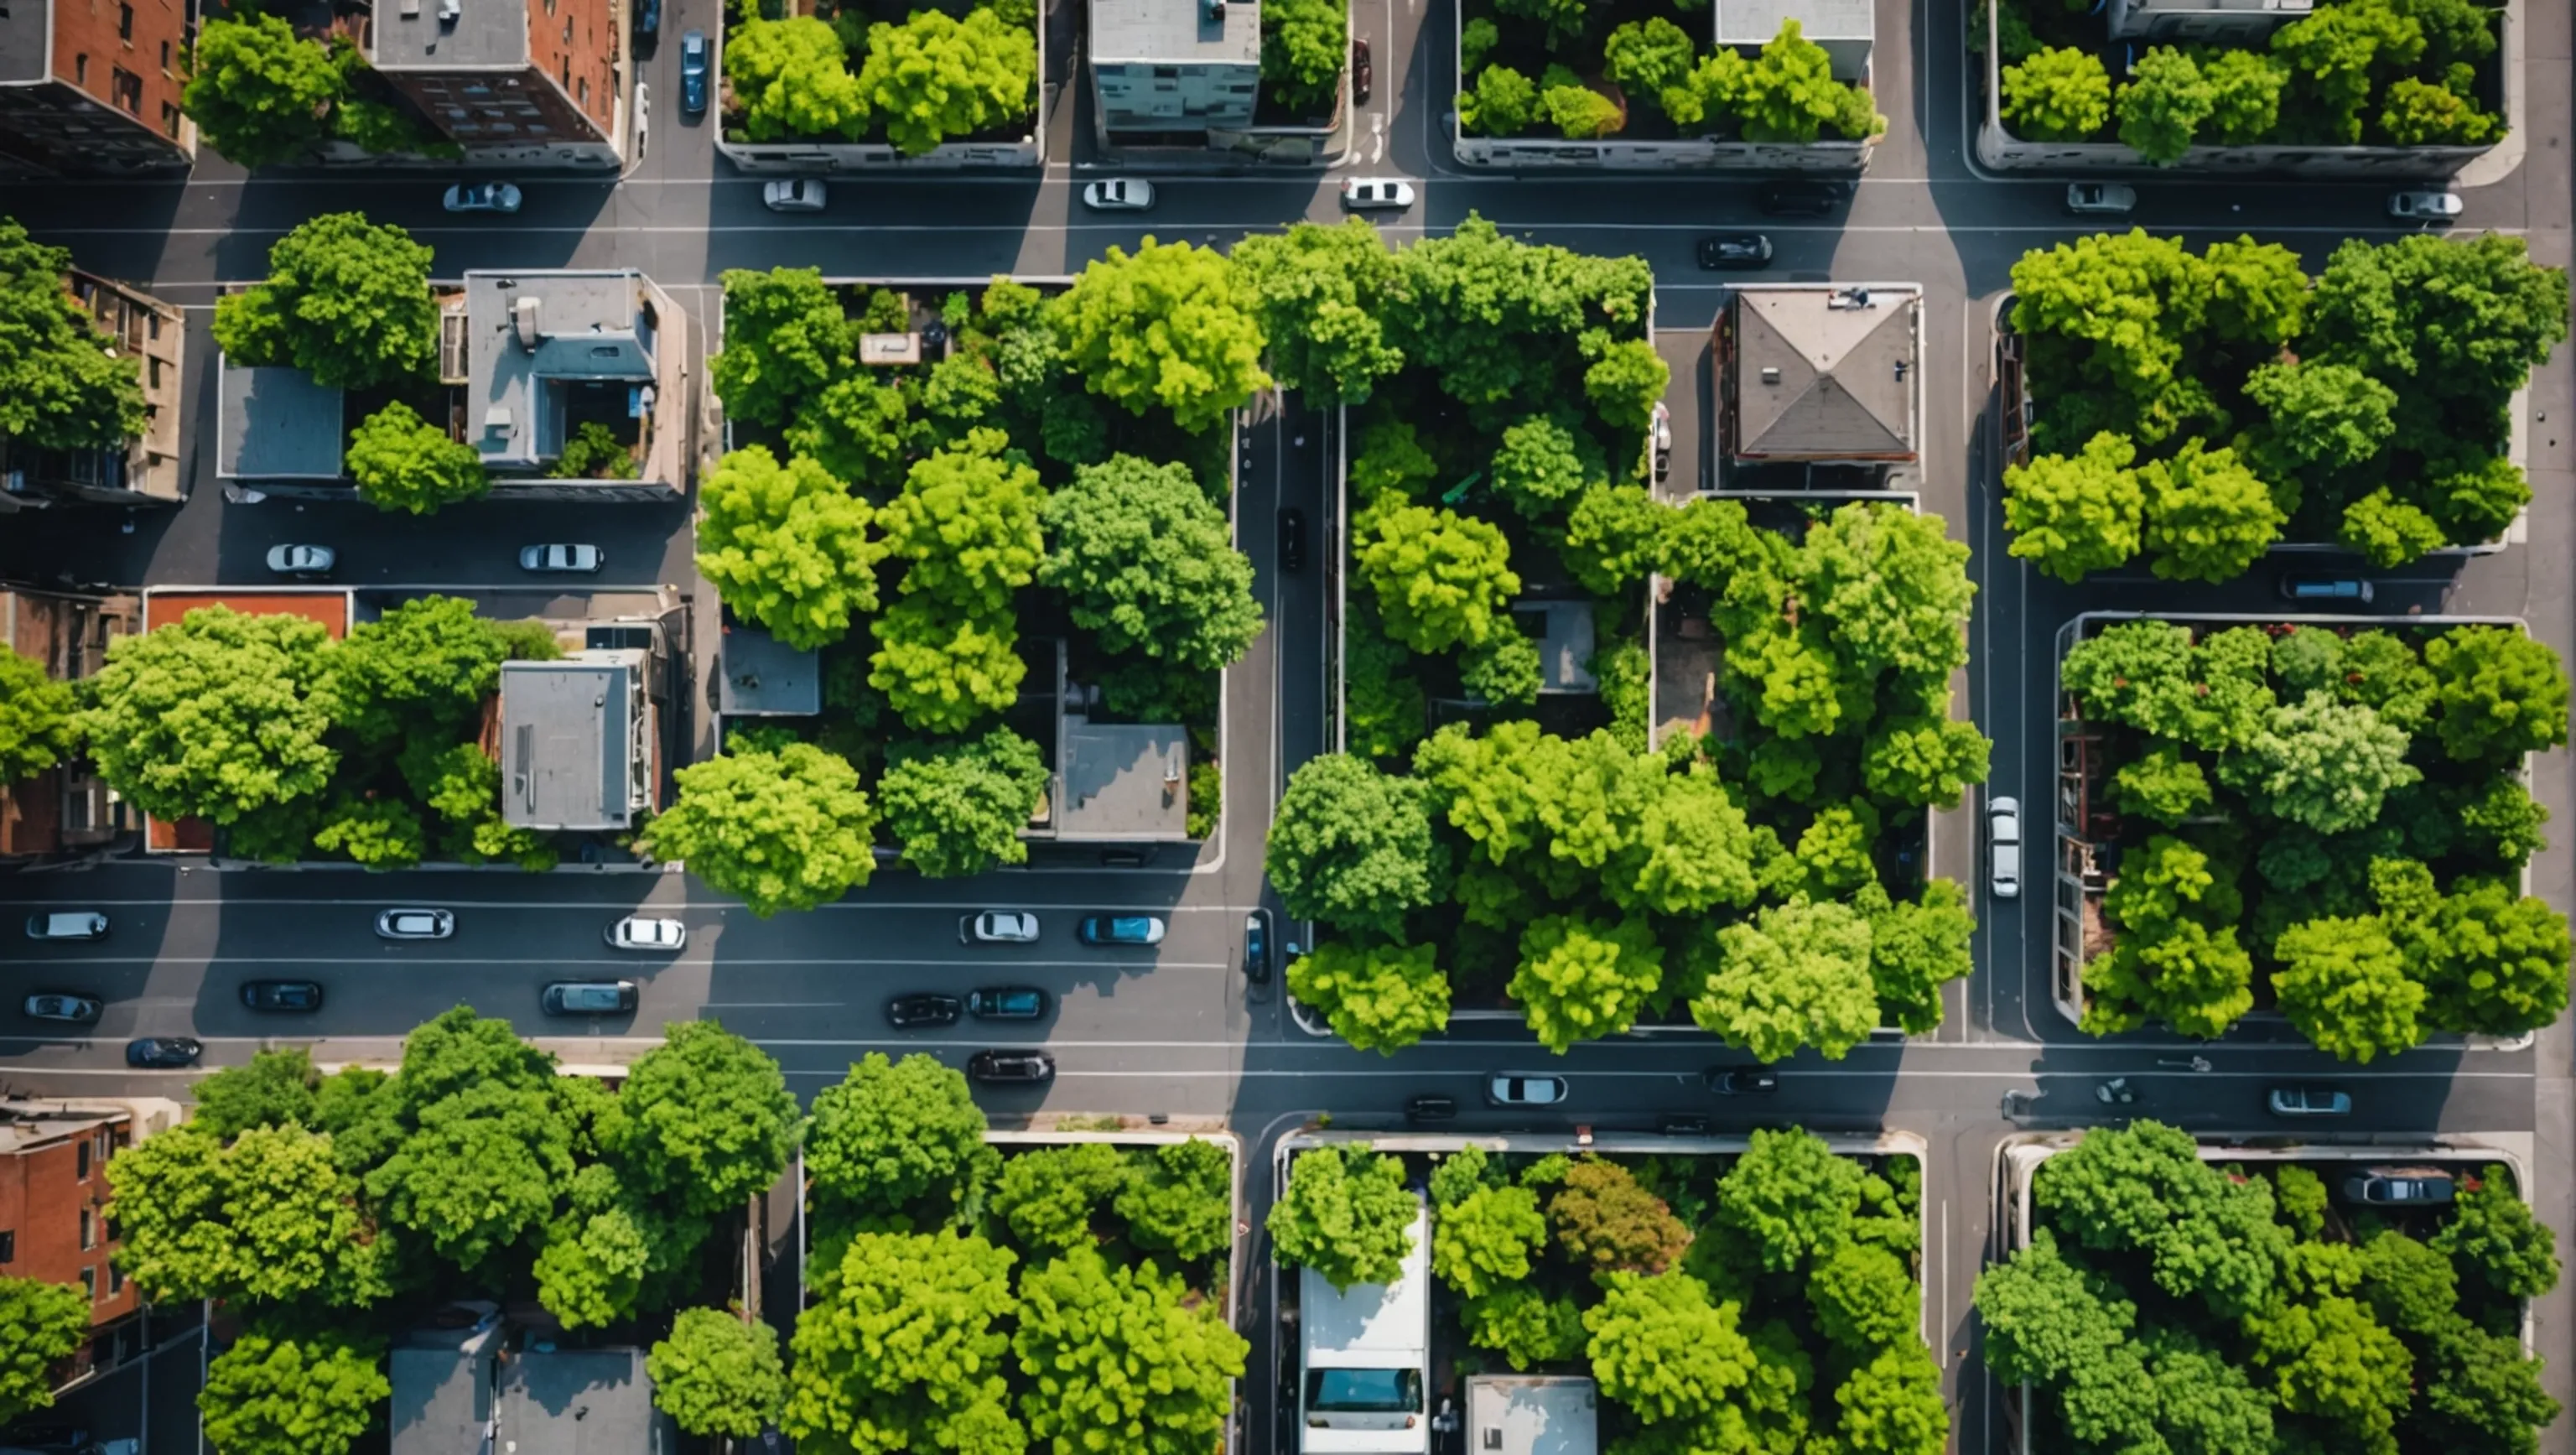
(693, 73)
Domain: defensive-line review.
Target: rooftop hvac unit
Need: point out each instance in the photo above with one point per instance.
(411, 9)
(448, 11)
(523, 319)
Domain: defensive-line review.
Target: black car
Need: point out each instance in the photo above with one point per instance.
(163, 1051)
(1011, 1067)
(1007, 1003)
(1740, 1080)
(1256, 948)
(1802, 199)
(281, 995)
(1734, 250)
(1430, 1108)
(910, 1012)
(648, 20)
(1292, 541)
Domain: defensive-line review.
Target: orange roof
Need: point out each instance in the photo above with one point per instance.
(329, 606)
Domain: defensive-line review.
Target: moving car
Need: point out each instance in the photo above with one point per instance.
(60, 1005)
(2325, 588)
(561, 558)
(1740, 1080)
(1364, 193)
(1663, 430)
(1802, 199)
(2399, 1186)
(1431, 1108)
(2111, 198)
(482, 197)
(998, 927)
(2003, 847)
(1007, 1003)
(415, 924)
(1522, 1088)
(1363, 74)
(304, 563)
(76, 924)
(163, 1052)
(1121, 929)
(2433, 209)
(281, 995)
(1011, 1067)
(911, 1012)
(1119, 194)
(693, 73)
(587, 997)
(795, 194)
(1734, 250)
(1256, 949)
(2308, 1101)
(1292, 541)
(643, 932)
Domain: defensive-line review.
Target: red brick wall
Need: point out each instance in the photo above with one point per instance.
(92, 45)
(579, 62)
(42, 1195)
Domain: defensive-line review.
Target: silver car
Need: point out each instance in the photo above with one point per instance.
(643, 932)
(2429, 208)
(55, 1005)
(1522, 1088)
(795, 194)
(301, 561)
(2115, 199)
(1362, 194)
(2003, 847)
(1119, 194)
(482, 197)
(998, 927)
(561, 558)
(2308, 1101)
(415, 924)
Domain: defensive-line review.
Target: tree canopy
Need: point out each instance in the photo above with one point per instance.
(959, 809)
(892, 1133)
(41, 1324)
(783, 829)
(787, 546)
(346, 301)
(1170, 325)
(401, 461)
(1149, 564)
(935, 77)
(1346, 1213)
(216, 717)
(59, 390)
(306, 1394)
(718, 1373)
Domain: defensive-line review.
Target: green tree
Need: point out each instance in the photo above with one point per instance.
(273, 1089)
(1346, 1214)
(1525, 1326)
(1581, 113)
(959, 809)
(275, 1394)
(2419, 113)
(2051, 1323)
(346, 301)
(1503, 103)
(967, 524)
(1581, 979)
(783, 829)
(708, 1117)
(1624, 380)
(1865, 1299)
(2324, 417)
(2501, 693)
(1796, 975)
(2479, 1391)
(1486, 1240)
(1915, 949)
(41, 1324)
(59, 390)
(1149, 564)
(2161, 785)
(2344, 986)
(36, 721)
(787, 546)
(899, 1352)
(2495, 1242)
(1894, 587)
(2499, 963)
(2323, 764)
(792, 80)
(268, 1219)
(478, 1143)
(260, 93)
(935, 77)
(2207, 517)
(2436, 319)
(2332, 1361)
(1179, 1199)
(786, 342)
(1489, 316)
(1085, 1330)
(401, 461)
(2387, 532)
(1503, 669)
(1377, 997)
(942, 668)
(2245, 95)
(1545, 462)
(1664, 1349)
(1692, 850)
(1303, 45)
(423, 669)
(2332, 55)
(1320, 293)
(1613, 537)
(1923, 761)
(1170, 325)
(892, 1133)
(1892, 1406)
(1606, 1220)
(1789, 1199)
(1439, 577)
(1647, 57)
(2143, 1188)
(2059, 94)
(215, 718)
(1049, 1195)
(1790, 94)
(2076, 514)
(1352, 847)
(2163, 104)
(859, 431)
(718, 1374)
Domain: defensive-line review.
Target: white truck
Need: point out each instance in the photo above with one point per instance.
(1366, 1365)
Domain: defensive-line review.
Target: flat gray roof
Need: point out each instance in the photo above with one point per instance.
(1124, 781)
(1845, 374)
(565, 749)
(580, 1402)
(1175, 32)
(586, 326)
(276, 424)
(486, 35)
(764, 677)
(442, 1392)
(24, 56)
(1565, 642)
(1528, 1414)
(1752, 22)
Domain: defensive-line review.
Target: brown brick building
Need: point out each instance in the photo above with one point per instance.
(93, 85)
(53, 1201)
(145, 471)
(532, 78)
(66, 806)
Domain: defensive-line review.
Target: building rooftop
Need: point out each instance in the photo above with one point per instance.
(529, 332)
(26, 41)
(1175, 31)
(568, 741)
(416, 35)
(276, 424)
(1825, 372)
(1124, 781)
(764, 677)
(579, 1402)
(26, 1125)
(1563, 630)
(1530, 1414)
(1754, 22)
(442, 1382)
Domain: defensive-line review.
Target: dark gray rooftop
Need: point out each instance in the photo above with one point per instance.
(1752, 22)
(276, 424)
(1124, 781)
(443, 1392)
(485, 35)
(566, 752)
(1175, 31)
(764, 677)
(580, 1402)
(1818, 377)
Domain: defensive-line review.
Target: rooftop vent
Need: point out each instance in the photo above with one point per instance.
(1770, 376)
(523, 319)
(1848, 298)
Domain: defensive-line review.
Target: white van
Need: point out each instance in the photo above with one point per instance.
(68, 925)
(1366, 1368)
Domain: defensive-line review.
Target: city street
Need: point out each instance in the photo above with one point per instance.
(1180, 1029)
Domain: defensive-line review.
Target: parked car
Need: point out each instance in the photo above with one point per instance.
(1734, 250)
(587, 997)
(1256, 948)
(1522, 1088)
(281, 995)
(1802, 198)
(482, 197)
(998, 927)
(1020, 1068)
(795, 194)
(1431, 1108)
(1119, 194)
(2003, 847)
(1740, 1080)
(912, 1012)
(304, 563)
(1007, 1003)
(648, 19)
(1121, 929)
(70, 924)
(2308, 1101)
(2433, 209)
(693, 73)
(1135, 856)
(556, 559)
(415, 924)
(1367, 193)
(163, 1052)
(643, 932)
(2106, 198)
(60, 1005)
(2326, 588)
(1363, 74)
(1292, 541)
(1663, 431)
(2399, 1187)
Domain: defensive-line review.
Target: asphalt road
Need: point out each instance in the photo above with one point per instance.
(1180, 1030)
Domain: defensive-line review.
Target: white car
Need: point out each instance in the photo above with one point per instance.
(998, 927)
(1361, 193)
(415, 924)
(2114, 198)
(2426, 207)
(1119, 194)
(795, 194)
(643, 932)
(482, 197)
(301, 561)
(560, 558)
(2003, 846)
(1523, 1088)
